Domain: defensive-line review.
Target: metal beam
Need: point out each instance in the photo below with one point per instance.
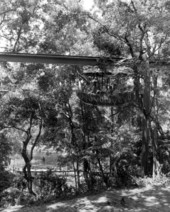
(70, 60)
(53, 59)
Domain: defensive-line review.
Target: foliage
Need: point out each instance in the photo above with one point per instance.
(109, 144)
(5, 151)
(13, 196)
(161, 180)
(5, 180)
(9, 196)
(50, 186)
(19, 182)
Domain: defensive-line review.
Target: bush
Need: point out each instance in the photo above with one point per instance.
(5, 180)
(19, 182)
(51, 186)
(13, 186)
(9, 196)
(13, 196)
(97, 181)
(127, 168)
(148, 181)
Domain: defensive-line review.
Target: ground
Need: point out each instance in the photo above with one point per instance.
(151, 198)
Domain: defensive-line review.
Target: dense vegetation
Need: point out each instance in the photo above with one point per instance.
(109, 123)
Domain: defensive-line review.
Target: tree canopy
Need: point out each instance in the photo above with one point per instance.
(110, 118)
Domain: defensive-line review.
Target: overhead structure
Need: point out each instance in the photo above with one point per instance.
(72, 60)
(102, 89)
(100, 92)
(107, 100)
(55, 59)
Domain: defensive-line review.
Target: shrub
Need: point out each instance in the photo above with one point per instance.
(50, 185)
(14, 196)
(9, 196)
(127, 168)
(148, 181)
(19, 182)
(13, 186)
(5, 180)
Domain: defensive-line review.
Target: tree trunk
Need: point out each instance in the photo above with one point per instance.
(144, 66)
(105, 180)
(75, 177)
(145, 145)
(88, 175)
(156, 168)
(111, 132)
(154, 149)
(27, 169)
(28, 158)
(28, 177)
(78, 176)
(114, 163)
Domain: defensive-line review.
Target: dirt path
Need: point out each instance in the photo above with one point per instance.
(155, 199)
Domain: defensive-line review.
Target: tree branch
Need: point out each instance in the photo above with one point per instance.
(106, 28)
(160, 44)
(13, 127)
(141, 40)
(30, 123)
(36, 139)
(18, 38)
(7, 11)
(148, 45)
(133, 5)
(3, 19)
(129, 45)
(158, 126)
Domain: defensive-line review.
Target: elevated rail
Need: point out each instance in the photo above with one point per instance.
(55, 59)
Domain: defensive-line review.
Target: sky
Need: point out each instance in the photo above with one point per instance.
(87, 4)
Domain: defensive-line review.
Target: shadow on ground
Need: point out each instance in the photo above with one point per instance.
(148, 199)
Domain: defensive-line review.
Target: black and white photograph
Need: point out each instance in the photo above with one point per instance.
(85, 106)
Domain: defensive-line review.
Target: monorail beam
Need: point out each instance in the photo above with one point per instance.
(53, 59)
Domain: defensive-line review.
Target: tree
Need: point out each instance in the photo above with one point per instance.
(54, 35)
(67, 106)
(139, 31)
(24, 114)
(5, 153)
